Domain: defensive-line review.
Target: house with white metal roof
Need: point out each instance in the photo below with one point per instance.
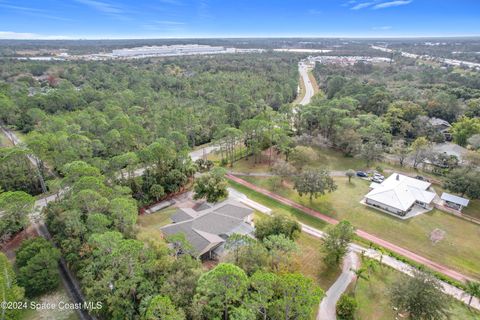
(399, 194)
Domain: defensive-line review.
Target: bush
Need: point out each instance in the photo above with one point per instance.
(204, 165)
(346, 307)
(37, 262)
(276, 225)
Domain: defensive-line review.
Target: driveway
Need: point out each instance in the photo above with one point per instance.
(329, 302)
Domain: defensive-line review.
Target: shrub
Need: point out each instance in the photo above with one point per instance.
(346, 307)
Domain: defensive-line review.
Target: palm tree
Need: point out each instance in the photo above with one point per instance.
(360, 274)
(473, 289)
(372, 265)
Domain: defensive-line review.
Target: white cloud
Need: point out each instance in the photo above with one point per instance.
(32, 12)
(391, 4)
(375, 4)
(362, 5)
(30, 36)
(169, 22)
(101, 6)
(108, 8)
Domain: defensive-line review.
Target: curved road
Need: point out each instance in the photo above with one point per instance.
(327, 309)
(309, 91)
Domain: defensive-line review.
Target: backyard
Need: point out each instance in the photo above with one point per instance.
(374, 303)
(457, 249)
(148, 225)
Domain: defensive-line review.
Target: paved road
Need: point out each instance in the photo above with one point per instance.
(309, 91)
(329, 302)
(371, 253)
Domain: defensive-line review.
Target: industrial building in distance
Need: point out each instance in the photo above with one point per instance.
(174, 50)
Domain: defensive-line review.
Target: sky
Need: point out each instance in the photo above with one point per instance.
(120, 19)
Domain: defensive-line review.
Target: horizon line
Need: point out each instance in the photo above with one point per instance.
(87, 38)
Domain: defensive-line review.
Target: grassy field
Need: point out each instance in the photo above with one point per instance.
(473, 209)
(374, 304)
(457, 250)
(309, 259)
(327, 158)
(311, 264)
(332, 160)
(278, 207)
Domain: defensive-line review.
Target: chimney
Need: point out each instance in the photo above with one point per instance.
(398, 177)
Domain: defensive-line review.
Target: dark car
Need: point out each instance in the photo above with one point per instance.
(421, 178)
(362, 174)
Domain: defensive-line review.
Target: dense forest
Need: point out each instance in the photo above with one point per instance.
(105, 113)
(466, 49)
(384, 104)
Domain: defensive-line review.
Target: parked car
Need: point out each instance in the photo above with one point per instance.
(377, 180)
(362, 174)
(422, 178)
(378, 176)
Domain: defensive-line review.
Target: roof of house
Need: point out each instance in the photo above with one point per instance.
(437, 122)
(401, 192)
(455, 199)
(182, 214)
(203, 206)
(209, 228)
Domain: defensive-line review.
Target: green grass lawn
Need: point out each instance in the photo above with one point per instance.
(148, 225)
(310, 261)
(457, 250)
(374, 303)
(473, 209)
(278, 207)
(156, 220)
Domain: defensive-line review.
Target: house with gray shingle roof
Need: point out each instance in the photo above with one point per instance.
(208, 229)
